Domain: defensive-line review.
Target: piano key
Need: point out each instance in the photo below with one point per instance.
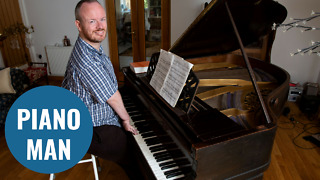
(150, 160)
(161, 159)
(134, 113)
(149, 134)
(178, 171)
(167, 146)
(180, 177)
(153, 141)
(158, 139)
(173, 165)
(179, 162)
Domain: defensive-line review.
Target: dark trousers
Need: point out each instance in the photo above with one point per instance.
(111, 143)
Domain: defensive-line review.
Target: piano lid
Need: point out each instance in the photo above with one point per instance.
(212, 33)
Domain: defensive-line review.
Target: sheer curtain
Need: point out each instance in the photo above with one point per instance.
(13, 48)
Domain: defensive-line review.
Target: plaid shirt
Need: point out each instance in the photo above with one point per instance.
(91, 77)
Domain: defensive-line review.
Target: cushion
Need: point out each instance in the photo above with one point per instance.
(5, 82)
(34, 73)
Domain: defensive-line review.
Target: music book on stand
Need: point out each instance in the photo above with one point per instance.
(170, 76)
(139, 67)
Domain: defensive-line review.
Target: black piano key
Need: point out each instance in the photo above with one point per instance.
(176, 172)
(132, 109)
(175, 163)
(157, 148)
(168, 156)
(169, 152)
(144, 129)
(181, 178)
(160, 159)
(173, 173)
(143, 123)
(133, 114)
(157, 140)
(149, 134)
(182, 161)
(167, 146)
(137, 117)
(157, 132)
(164, 157)
(151, 143)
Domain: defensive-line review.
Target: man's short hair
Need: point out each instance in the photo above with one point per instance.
(78, 6)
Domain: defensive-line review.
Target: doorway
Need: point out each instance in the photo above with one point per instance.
(136, 30)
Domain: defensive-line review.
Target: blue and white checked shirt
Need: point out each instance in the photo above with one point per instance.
(91, 77)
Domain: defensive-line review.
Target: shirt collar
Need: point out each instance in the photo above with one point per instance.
(90, 48)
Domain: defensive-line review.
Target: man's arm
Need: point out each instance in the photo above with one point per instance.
(115, 101)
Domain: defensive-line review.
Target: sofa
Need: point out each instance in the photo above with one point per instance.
(13, 83)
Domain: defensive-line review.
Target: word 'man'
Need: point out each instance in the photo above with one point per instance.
(36, 150)
(59, 119)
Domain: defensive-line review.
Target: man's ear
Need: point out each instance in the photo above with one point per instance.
(77, 23)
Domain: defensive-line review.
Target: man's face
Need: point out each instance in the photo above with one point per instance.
(92, 26)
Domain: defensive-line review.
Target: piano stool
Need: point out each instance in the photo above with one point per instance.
(96, 167)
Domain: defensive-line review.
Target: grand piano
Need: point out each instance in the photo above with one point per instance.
(224, 124)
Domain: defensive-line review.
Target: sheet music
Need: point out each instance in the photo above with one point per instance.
(170, 76)
(161, 71)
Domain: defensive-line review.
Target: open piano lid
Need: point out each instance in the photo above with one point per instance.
(212, 32)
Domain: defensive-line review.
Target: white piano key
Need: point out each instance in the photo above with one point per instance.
(153, 164)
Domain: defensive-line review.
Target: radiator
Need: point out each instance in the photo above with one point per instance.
(57, 58)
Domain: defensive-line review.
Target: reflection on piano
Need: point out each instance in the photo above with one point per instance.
(219, 130)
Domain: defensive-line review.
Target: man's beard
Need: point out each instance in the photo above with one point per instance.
(92, 38)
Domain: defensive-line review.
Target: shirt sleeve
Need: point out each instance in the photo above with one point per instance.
(99, 81)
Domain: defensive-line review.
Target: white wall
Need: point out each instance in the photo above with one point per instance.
(301, 68)
(183, 13)
(52, 20)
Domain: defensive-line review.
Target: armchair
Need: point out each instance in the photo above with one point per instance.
(36, 72)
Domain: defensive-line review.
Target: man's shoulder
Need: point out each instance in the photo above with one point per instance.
(81, 56)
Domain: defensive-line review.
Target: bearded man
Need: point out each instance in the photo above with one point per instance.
(90, 75)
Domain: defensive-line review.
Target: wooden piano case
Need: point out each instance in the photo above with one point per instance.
(228, 132)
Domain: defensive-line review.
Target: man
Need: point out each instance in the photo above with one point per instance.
(90, 76)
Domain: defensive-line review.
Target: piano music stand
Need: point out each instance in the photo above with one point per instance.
(189, 90)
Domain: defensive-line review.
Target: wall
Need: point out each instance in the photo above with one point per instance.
(301, 68)
(183, 13)
(52, 20)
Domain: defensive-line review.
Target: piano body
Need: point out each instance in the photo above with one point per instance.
(224, 124)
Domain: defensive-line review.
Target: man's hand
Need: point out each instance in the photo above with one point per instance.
(129, 128)
(115, 101)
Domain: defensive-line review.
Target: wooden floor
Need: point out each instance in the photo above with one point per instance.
(292, 158)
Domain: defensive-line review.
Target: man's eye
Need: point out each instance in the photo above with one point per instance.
(92, 21)
(103, 19)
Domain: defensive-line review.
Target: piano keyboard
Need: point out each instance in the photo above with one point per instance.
(162, 154)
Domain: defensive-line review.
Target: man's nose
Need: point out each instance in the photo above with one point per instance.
(100, 24)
